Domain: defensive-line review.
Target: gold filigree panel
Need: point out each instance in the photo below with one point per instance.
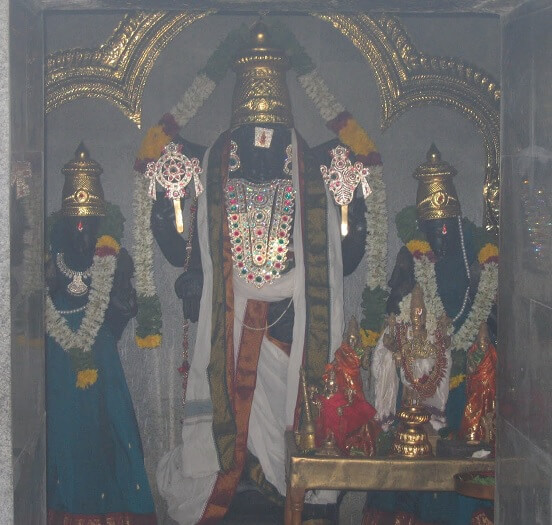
(118, 70)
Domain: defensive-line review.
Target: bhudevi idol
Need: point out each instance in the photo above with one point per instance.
(264, 281)
(95, 463)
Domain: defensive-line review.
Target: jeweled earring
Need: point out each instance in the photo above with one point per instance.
(234, 160)
(287, 162)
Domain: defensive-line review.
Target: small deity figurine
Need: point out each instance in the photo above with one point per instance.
(343, 407)
(479, 415)
(423, 359)
(95, 464)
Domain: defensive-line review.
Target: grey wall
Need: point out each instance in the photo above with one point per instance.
(24, 230)
(113, 141)
(524, 467)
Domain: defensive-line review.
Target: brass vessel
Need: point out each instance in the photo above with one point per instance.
(412, 440)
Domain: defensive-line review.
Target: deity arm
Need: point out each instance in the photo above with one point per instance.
(122, 304)
(353, 245)
(170, 242)
(402, 280)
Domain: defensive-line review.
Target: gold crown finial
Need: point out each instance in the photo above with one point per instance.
(82, 193)
(436, 197)
(259, 35)
(261, 95)
(433, 154)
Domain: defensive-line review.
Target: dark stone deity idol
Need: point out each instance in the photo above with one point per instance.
(95, 465)
(264, 282)
(421, 358)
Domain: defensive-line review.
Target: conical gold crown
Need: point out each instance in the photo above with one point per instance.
(261, 95)
(436, 197)
(82, 193)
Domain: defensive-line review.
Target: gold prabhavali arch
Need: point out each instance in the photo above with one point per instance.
(118, 69)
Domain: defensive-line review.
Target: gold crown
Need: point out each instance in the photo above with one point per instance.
(82, 193)
(436, 197)
(261, 95)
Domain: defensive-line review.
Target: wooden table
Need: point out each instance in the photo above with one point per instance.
(312, 472)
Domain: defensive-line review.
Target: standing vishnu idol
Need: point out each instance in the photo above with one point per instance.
(265, 280)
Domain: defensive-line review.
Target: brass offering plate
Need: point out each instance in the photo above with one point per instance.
(466, 484)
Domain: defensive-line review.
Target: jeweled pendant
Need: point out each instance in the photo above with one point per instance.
(77, 287)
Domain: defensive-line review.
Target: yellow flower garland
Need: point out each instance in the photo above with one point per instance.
(106, 241)
(87, 377)
(487, 252)
(354, 136)
(154, 142)
(369, 338)
(150, 341)
(417, 245)
(456, 381)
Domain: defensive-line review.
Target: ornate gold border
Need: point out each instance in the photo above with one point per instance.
(118, 70)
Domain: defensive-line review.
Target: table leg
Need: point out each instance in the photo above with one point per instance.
(295, 498)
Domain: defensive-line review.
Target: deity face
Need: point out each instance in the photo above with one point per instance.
(82, 233)
(261, 164)
(443, 236)
(418, 317)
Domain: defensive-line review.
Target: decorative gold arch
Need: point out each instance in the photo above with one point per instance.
(118, 70)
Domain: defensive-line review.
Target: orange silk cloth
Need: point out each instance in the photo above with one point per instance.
(480, 393)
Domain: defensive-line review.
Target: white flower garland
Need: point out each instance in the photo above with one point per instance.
(195, 96)
(102, 273)
(143, 239)
(424, 272)
(317, 90)
(376, 231)
(376, 208)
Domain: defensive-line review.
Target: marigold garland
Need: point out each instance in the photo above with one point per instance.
(150, 341)
(456, 381)
(369, 338)
(86, 378)
(488, 253)
(417, 247)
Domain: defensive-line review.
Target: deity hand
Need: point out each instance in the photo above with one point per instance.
(123, 305)
(402, 280)
(163, 227)
(353, 244)
(283, 316)
(188, 287)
